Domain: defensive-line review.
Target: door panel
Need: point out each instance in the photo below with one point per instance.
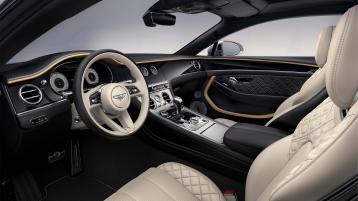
(265, 85)
(251, 92)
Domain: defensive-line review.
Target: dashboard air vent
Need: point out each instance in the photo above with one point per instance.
(30, 94)
(152, 104)
(166, 97)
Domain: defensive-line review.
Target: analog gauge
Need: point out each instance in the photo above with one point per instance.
(59, 82)
(153, 70)
(144, 71)
(92, 77)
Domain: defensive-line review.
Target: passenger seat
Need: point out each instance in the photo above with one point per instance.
(311, 94)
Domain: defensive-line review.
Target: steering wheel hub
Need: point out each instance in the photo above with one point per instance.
(115, 98)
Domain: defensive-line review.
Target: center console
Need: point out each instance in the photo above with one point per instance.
(166, 106)
(243, 138)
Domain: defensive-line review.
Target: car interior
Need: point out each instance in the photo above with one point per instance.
(204, 123)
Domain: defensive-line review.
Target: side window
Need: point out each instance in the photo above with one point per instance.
(286, 37)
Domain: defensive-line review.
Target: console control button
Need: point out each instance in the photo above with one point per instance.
(132, 90)
(39, 120)
(157, 98)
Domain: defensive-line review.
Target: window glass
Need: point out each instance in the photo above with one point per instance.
(118, 24)
(287, 37)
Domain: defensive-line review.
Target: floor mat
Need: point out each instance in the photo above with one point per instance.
(77, 188)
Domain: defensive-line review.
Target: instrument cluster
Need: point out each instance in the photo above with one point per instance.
(149, 70)
(62, 77)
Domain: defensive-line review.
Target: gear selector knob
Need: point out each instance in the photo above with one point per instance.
(179, 103)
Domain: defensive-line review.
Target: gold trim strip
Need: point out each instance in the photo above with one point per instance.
(83, 54)
(48, 67)
(218, 109)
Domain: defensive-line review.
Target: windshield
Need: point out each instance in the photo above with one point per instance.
(118, 24)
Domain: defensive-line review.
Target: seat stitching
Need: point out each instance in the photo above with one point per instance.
(128, 195)
(318, 157)
(180, 178)
(339, 53)
(159, 186)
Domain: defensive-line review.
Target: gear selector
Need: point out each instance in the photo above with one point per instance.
(179, 104)
(182, 117)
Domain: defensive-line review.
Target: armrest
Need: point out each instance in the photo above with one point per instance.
(251, 139)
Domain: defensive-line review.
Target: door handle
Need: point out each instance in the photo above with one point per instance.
(244, 79)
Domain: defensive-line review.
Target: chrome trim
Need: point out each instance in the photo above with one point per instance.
(20, 93)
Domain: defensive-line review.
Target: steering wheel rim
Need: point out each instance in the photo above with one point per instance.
(115, 98)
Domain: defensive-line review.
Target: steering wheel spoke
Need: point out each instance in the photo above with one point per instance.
(126, 120)
(92, 98)
(105, 119)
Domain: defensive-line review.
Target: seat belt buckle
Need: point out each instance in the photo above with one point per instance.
(230, 195)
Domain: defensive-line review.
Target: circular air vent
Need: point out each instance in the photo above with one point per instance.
(152, 104)
(166, 97)
(196, 65)
(30, 94)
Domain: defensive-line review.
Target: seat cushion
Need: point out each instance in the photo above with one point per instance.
(169, 181)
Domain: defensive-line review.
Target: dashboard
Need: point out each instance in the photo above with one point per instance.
(35, 86)
(36, 99)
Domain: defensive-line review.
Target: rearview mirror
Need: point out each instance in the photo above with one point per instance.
(225, 48)
(152, 19)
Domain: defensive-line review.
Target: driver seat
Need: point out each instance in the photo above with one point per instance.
(318, 158)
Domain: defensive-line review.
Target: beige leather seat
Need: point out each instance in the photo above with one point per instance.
(311, 88)
(320, 156)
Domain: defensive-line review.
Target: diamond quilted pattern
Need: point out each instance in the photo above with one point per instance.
(198, 184)
(267, 85)
(314, 126)
(322, 127)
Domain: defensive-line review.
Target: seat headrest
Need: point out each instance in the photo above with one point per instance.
(342, 62)
(322, 45)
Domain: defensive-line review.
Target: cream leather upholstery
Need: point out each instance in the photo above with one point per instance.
(322, 45)
(169, 181)
(342, 82)
(319, 157)
(226, 122)
(311, 87)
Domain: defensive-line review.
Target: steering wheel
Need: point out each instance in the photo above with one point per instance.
(104, 108)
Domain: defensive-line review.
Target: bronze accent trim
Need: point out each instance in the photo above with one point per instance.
(84, 54)
(48, 67)
(220, 110)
